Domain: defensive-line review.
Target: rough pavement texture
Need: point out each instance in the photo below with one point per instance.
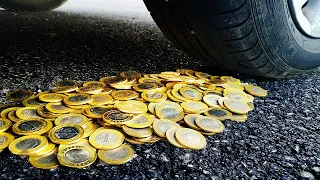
(280, 139)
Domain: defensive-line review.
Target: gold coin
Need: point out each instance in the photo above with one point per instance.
(5, 140)
(130, 74)
(209, 124)
(170, 135)
(239, 95)
(64, 89)
(98, 111)
(169, 93)
(150, 80)
(175, 93)
(251, 105)
(154, 96)
(190, 72)
(66, 133)
(106, 139)
(89, 90)
(141, 87)
(5, 112)
(132, 106)
(77, 156)
(116, 117)
(67, 83)
(13, 117)
(28, 113)
(160, 127)
(233, 86)
(250, 98)
(5, 124)
(100, 99)
(170, 73)
(49, 161)
(140, 121)
(221, 102)
(71, 119)
(191, 138)
(190, 120)
(137, 132)
(256, 91)
(19, 95)
(124, 94)
(89, 128)
(151, 107)
(211, 100)
(33, 101)
(94, 84)
(237, 106)
(58, 108)
(28, 145)
(77, 99)
(169, 110)
(118, 156)
(218, 113)
(203, 75)
(218, 82)
(194, 106)
(81, 142)
(239, 117)
(45, 151)
(44, 113)
(32, 126)
(230, 79)
(170, 85)
(113, 80)
(51, 97)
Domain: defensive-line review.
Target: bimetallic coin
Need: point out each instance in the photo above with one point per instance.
(160, 127)
(239, 117)
(133, 141)
(176, 94)
(77, 99)
(98, 111)
(71, 119)
(151, 107)
(239, 95)
(89, 90)
(137, 132)
(106, 90)
(128, 74)
(13, 116)
(118, 156)
(132, 106)
(233, 86)
(66, 133)
(45, 151)
(5, 112)
(28, 113)
(116, 117)
(203, 75)
(94, 84)
(51, 97)
(58, 108)
(5, 124)
(77, 156)
(64, 89)
(28, 145)
(154, 96)
(194, 106)
(124, 94)
(81, 142)
(218, 82)
(141, 87)
(49, 161)
(33, 101)
(5, 140)
(113, 80)
(191, 138)
(221, 102)
(218, 113)
(169, 110)
(150, 80)
(44, 113)
(32, 126)
(89, 128)
(140, 121)
(170, 73)
(211, 100)
(256, 91)
(19, 95)
(150, 139)
(106, 139)
(190, 120)
(237, 106)
(171, 137)
(230, 79)
(209, 124)
(100, 99)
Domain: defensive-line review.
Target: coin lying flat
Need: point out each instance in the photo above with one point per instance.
(190, 93)
(49, 161)
(151, 107)
(115, 117)
(154, 96)
(5, 124)
(209, 124)
(94, 84)
(13, 116)
(45, 151)
(44, 113)
(66, 133)
(28, 113)
(171, 137)
(81, 142)
(239, 117)
(64, 89)
(140, 121)
(106, 139)
(194, 106)
(77, 156)
(77, 99)
(68, 83)
(58, 108)
(32, 126)
(5, 140)
(239, 95)
(19, 95)
(118, 156)
(211, 100)
(191, 138)
(130, 74)
(177, 95)
(190, 120)
(237, 106)
(124, 95)
(218, 113)
(151, 139)
(140, 87)
(169, 94)
(71, 119)
(89, 90)
(100, 99)
(256, 91)
(160, 127)
(169, 110)
(51, 97)
(137, 132)
(28, 145)
(132, 106)
(33, 101)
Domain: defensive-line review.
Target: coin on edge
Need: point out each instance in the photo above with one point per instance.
(190, 120)
(106, 139)
(160, 127)
(118, 156)
(191, 138)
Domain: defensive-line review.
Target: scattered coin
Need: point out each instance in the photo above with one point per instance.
(28, 113)
(118, 156)
(190, 120)
(160, 127)
(154, 96)
(171, 137)
(58, 108)
(124, 94)
(194, 106)
(137, 132)
(49, 161)
(94, 84)
(169, 110)
(132, 106)
(77, 119)
(106, 139)
(209, 124)
(28, 145)
(5, 140)
(19, 95)
(51, 97)
(237, 106)
(31, 127)
(256, 91)
(140, 121)
(211, 100)
(5, 124)
(218, 113)
(115, 117)
(77, 99)
(191, 138)
(66, 133)
(77, 156)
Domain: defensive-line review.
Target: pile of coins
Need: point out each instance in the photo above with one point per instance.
(68, 124)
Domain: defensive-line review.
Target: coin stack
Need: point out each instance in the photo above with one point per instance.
(75, 123)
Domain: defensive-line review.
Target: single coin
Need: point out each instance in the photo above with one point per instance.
(81, 142)
(160, 127)
(150, 80)
(237, 106)
(77, 99)
(71, 119)
(170, 85)
(32, 126)
(19, 95)
(212, 100)
(209, 124)
(218, 82)
(118, 156)
(28, 145)
(13, 116)
(51, 97)
(233, 86)
(140, 121)
(239, 117)
(28, 113)
(191, 138)
(133, 141)
(89, 90)
(151, 107)
(5, 140)
(170, 136)
(140, 87)
(66, 133)
(100, 99)
(239, 95)
(124, 94)
(194, 106)
(169, 110)
(106, 139)
(49, 161)
(77, 156)
(256, 91)
(203, 75)
(218, 113)
(5, 124)
(64, 89)
(98, 111)
(137, 132)
(154, 96)
(116, 117)
(190, 120)
(230, 79)
(113, 80)
(33, 101)
(94, 84)
(58, 108)
(68, 83)
(130, 74)
(170, 73)
(132, 106)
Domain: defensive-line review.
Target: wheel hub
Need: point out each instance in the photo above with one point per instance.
(306, 15)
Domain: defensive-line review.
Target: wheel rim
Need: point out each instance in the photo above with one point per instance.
(306, 15)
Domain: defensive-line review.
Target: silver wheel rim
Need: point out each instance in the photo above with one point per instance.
(306, 15)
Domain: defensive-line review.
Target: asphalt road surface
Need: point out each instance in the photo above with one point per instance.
(88, 39)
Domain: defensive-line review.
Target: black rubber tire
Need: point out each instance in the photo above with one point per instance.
(256, 37)
(31, 5)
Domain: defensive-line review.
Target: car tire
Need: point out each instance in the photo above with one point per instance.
(31, 5)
